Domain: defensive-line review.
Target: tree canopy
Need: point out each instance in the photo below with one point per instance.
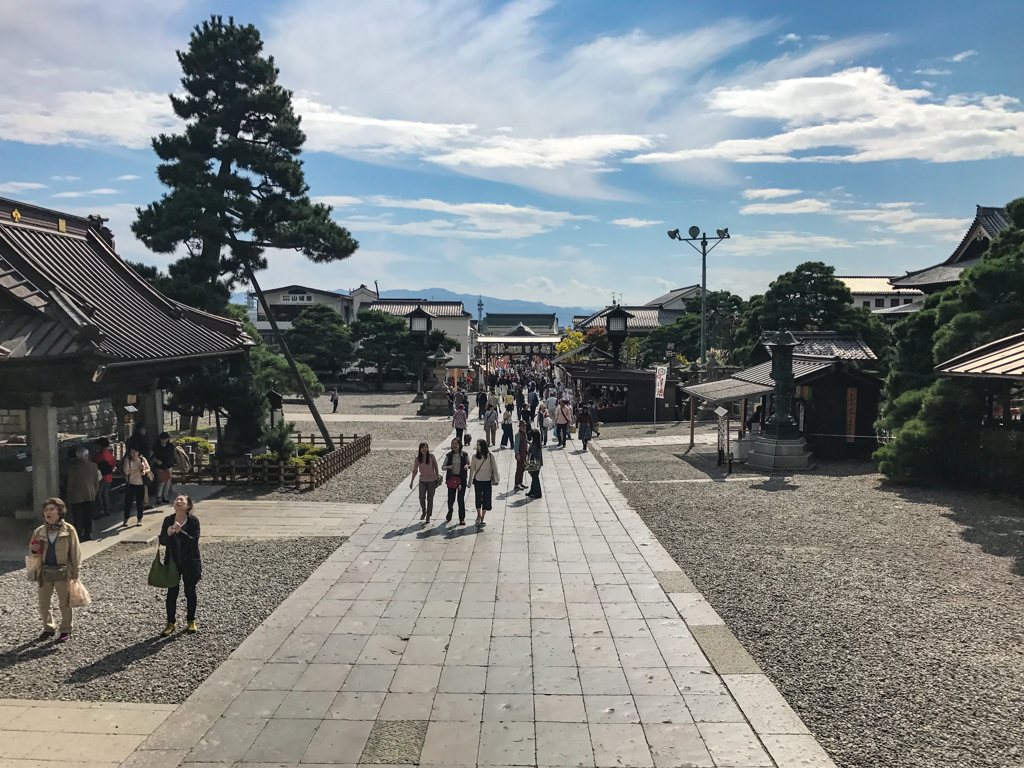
(236, 184)
(937, 428)
(320, 339)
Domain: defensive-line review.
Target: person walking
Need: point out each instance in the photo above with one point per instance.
(163, 461)
(534, 462)
(459, 420)
(522, 447)
(532, 401)
(83, 487)
(334, 400)
(425, 465)
(584, 425)
(456, 469)
(481, 405)
(483, 474)
(55, 542)
(563, 417)
(492, 400)
(552, 401)
(506, 427)
(104, 461)
(543, 422)
(491, 424)
(136, 473)
(180, 534)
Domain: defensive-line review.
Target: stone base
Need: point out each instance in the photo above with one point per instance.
(435, 404)
(770, 454)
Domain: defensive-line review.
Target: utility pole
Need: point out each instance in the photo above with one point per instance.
(696, 236)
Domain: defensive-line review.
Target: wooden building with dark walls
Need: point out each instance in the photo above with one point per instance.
(78, 324)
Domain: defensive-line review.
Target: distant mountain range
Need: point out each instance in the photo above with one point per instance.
(491, 304)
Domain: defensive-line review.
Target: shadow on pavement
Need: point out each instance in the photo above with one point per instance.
(118, 661)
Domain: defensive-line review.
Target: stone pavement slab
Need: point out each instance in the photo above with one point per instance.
(559, 634)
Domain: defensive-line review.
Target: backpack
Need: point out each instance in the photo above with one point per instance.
(181, 459)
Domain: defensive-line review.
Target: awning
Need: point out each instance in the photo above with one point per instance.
(726, 390)
(1001, 359)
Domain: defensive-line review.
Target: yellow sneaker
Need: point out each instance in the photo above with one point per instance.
(168, 630)
(192, 628)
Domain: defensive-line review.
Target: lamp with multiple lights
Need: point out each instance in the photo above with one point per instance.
(696, 236)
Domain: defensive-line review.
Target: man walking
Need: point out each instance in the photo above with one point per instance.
(522, 447)
(563, 416)
(334, 400)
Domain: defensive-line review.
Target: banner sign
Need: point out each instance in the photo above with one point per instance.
(660, 377)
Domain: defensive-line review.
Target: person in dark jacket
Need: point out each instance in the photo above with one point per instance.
(456, 467)
(535, 458)
(163, 467)
(481, 404)
(180, 534)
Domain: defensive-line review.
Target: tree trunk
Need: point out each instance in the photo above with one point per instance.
(328, 441)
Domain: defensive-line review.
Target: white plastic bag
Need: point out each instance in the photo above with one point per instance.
(32, 565)
(78, 595)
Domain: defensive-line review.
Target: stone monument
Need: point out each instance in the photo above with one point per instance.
(781, 447)
(436, 401)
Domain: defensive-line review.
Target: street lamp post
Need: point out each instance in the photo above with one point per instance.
(419, 329)
(696, 236)
(617, 329)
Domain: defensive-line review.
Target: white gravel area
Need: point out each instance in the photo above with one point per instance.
(431, 431)
(115, 653)
(370, 404)
(889, 617)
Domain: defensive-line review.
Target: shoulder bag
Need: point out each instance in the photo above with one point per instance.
(163, 575)
(494, 469)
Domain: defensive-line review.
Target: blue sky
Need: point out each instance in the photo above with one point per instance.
(540, 149)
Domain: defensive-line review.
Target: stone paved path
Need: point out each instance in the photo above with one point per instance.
(561, 634)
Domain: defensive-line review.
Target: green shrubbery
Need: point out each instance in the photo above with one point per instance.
(199, 444)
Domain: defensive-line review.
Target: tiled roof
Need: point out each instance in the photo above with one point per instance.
(644, 318)
(1001, 359)
(68, 292)
(875, 285)
(940, 274)
(689, 292)
(403, 307)
(761, 374)
(502, 324)
(830, 345)
(903, 309)
(726, 390)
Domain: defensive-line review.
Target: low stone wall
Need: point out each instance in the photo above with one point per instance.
(12, 423)
(94, 418)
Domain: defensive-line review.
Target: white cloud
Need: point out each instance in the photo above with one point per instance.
(807, 205)
(899, 217)
(788, 38)
(962, 56)
(860, 115)
(474, 221)
(65, 178)
(785, 241)
(768, 194)
(932, 71)
(16, 187)
(338, 201)
(508, 152)
(635, 223)
(102, 191)
(127, 177)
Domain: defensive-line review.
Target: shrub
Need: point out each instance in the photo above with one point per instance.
(199, 444)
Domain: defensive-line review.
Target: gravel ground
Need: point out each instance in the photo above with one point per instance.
(115, 654)
(889, 617)
(615, 431)
(369, 481)
(431, 431)
(371, 404)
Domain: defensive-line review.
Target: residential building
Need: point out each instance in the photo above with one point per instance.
(448, 316)
(660, 311)
(288, 301)
(877, 293)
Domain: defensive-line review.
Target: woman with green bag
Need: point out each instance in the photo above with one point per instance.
(180, 534)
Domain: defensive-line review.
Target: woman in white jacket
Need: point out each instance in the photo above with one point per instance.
(483, 473)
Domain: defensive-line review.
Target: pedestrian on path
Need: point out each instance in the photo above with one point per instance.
(180, 534)
(506, 427)
(552, 401)
(459, 421)
(456, 468)
(334, 400)
(425, 465)
(522, 447)
(534, 462)
(491, 424)
(483, 474)
(104, 460)
(481, 404)
(563, 417)
(543, 422)
(492, 400)
(163, 460)
(55, 542)
(137, 474)
(584, 425)
(83, 487)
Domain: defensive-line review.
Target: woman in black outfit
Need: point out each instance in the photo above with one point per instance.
(456, 468)
(180, 534)
(535, 458)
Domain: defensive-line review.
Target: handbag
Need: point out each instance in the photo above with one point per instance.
(54, 572)
(494, 469)
(453, 481)
(164, 475)
(163, 575)
(533, 466)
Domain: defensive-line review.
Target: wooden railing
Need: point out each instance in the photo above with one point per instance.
(248, 472)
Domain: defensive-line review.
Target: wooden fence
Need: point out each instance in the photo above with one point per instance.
(248, 472)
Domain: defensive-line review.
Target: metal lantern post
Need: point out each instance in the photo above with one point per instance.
(617, 328)
(419, 329)
(782, 425)
(696, 236)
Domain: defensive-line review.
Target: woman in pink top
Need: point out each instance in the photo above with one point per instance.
(459, 421)
(430, 477)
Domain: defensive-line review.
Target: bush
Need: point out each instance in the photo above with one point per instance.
(199, 444)
(278, 439)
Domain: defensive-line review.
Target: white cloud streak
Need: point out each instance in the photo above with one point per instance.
(101, 191)
(635, 223)
(768, 194)
(17, 187)
(807, 205)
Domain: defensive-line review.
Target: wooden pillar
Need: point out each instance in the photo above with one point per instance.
(151, 404)
(42, 440)
(743, 419)
(693, 416)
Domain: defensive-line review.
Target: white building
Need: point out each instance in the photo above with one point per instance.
(287, 302)
(448, 316)
(877, 293)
